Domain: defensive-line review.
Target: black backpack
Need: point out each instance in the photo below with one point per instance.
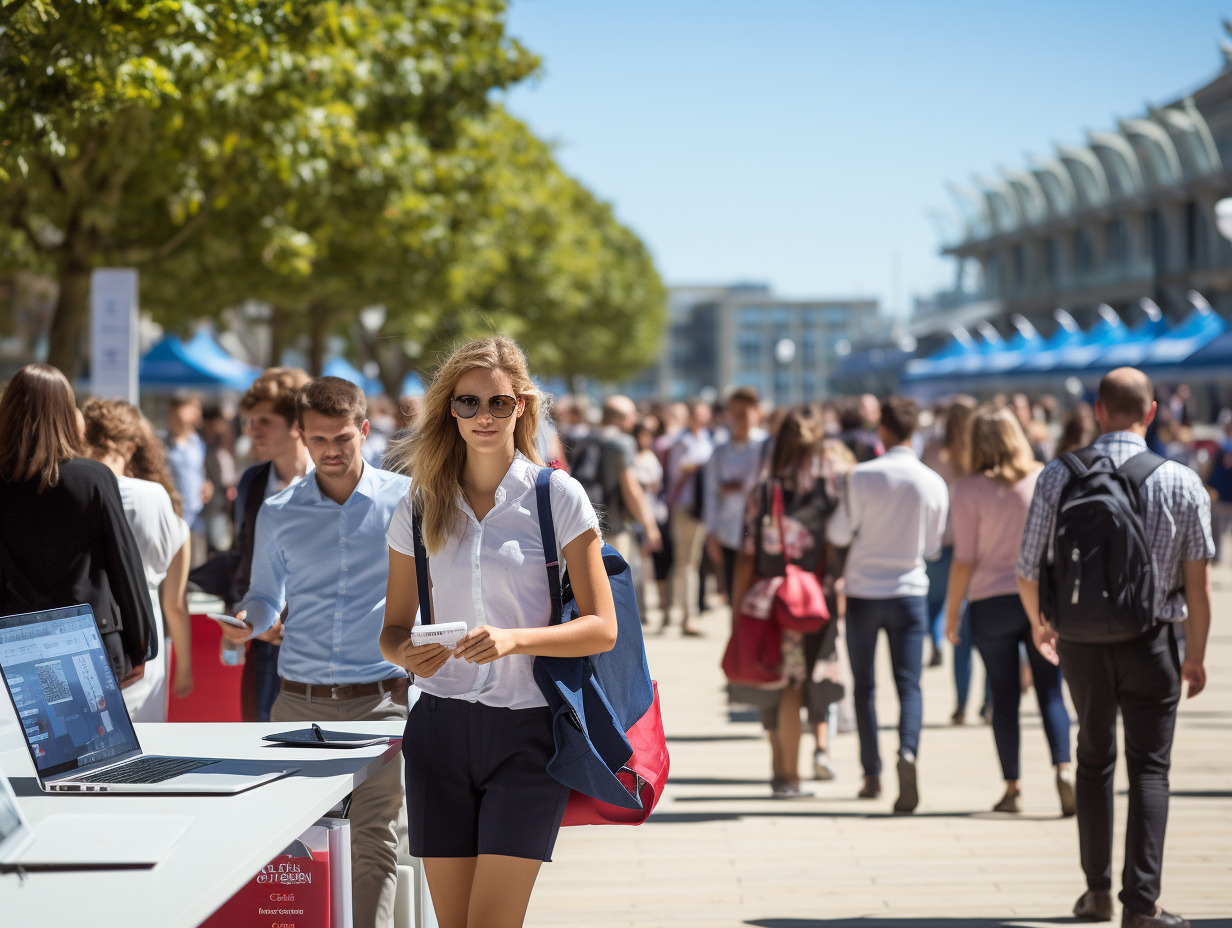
(1096, 581)
(596, 463)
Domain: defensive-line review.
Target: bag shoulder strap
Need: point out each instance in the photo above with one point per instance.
(1075, 464)
(253, 500)
(547, 533)
(421, 567)
(1138, 468)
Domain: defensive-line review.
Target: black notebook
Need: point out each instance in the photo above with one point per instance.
(318, 737)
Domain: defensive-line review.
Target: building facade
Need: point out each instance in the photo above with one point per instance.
(1127, 215)
(721, 337)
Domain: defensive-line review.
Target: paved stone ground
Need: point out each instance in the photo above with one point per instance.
(720, 852)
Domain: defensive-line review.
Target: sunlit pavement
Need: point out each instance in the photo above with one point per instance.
(720, 851)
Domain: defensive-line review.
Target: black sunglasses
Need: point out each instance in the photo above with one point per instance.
(499, 406)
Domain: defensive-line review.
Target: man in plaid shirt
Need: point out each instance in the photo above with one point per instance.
(1141, 677)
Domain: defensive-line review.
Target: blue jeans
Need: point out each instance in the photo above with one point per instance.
(259, 682)
(938, 585)
(998, 626)
(905, 620)
(938, 582)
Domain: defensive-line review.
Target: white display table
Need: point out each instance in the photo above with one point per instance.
(230, 839)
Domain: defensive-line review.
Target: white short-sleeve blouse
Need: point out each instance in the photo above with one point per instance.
(494, 574)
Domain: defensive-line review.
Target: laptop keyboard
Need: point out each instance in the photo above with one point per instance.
(145, 770)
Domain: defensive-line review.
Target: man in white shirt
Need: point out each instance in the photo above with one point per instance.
(728, 478)
(892, 516)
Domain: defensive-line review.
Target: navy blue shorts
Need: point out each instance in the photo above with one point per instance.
(477, 780)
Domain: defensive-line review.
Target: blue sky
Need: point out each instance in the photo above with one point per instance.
(802, 143)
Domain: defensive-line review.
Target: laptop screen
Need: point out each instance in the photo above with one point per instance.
(66, 697)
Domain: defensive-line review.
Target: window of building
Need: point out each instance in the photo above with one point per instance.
(1197, 236)
(1084, 256)
(749, 347)
(1052, 260)
(749, 317)
(1157, 236)
(1019, 258)
(782, 386)
(808, 349)
(1116, 243)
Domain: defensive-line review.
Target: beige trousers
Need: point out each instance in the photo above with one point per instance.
(378, 805)
(688, 542)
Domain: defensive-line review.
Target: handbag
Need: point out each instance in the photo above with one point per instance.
(754, 652)
(611, 749)
(799, 601)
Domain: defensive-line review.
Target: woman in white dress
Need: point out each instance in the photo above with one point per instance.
(119, 436)
(484, 811)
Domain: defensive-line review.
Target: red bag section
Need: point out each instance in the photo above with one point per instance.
(646, 773)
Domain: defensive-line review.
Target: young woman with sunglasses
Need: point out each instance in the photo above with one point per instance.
(483, 811)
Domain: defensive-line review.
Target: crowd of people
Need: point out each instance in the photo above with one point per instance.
(931, 525)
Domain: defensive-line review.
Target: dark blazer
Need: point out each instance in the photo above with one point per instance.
(71, 544)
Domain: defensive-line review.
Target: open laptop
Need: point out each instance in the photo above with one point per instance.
(75, 722)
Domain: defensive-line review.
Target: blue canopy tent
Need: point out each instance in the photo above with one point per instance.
(1214, 356)
(943, 361)
(1199, 328)
(1011, 354)
(412, 385)
(1130, 351)
(1048, 355)
(341, 367)
(1108, 331)
(974, 361)
(199, 364)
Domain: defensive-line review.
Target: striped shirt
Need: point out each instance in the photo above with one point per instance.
(1177, 521)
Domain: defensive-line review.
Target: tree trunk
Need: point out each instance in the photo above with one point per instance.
(318, 329)
(72, 313)
(276, 340)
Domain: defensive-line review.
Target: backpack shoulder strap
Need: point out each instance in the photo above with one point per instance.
(1075, 464)
(421, 567)
(547, 533)
(1141, 466)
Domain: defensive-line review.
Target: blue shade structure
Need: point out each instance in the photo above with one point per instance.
(199, 364)
(946, 360)
(1050, 353)
(341, 367)
(1012, 353)
(1130, 351)
(1109, 330)
(1199, 329)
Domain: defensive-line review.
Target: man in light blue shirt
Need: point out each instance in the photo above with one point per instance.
(320, 549)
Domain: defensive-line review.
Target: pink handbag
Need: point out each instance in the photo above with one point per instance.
(799, 602)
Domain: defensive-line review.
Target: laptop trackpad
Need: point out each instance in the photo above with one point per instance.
(226, 776)
(103, 840)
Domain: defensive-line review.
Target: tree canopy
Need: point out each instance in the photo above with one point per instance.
(320, 157)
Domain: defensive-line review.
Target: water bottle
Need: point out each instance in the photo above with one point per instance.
(232, 652)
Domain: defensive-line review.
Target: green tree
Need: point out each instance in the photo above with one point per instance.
(130, 126)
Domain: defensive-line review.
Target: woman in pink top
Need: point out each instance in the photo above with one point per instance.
(989, 510)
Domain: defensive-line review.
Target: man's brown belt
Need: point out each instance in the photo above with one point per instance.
(396, 686)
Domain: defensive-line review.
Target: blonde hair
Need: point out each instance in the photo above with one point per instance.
(435, 453)
(999, 447)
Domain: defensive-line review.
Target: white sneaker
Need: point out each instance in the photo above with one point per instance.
(821, 766)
